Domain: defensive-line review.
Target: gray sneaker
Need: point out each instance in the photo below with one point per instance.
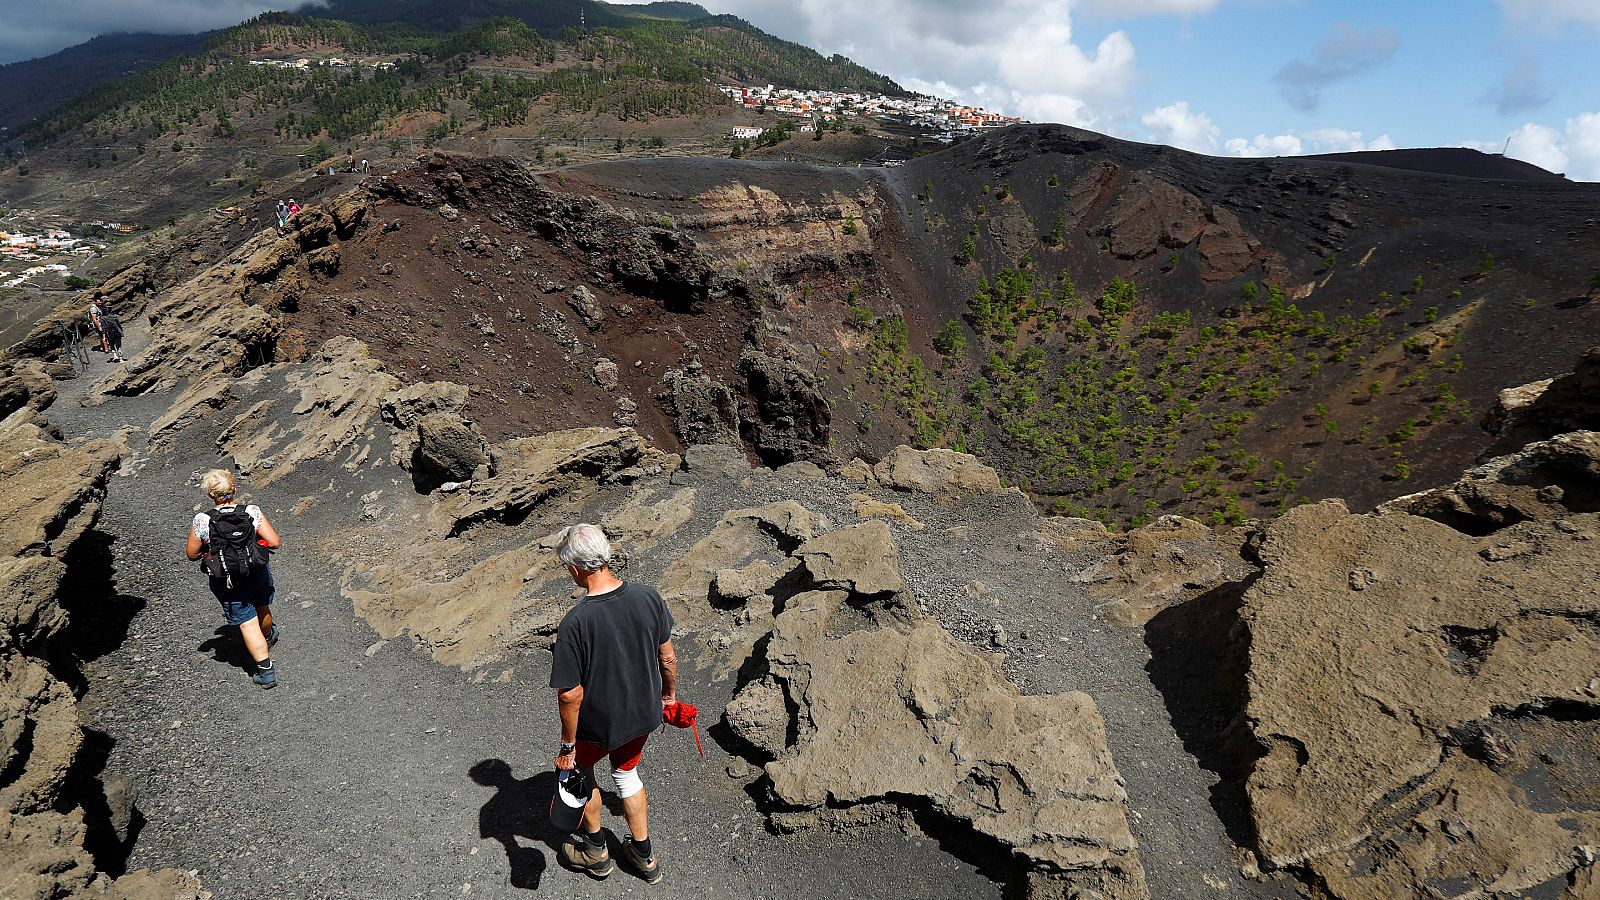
(577, 853)
(648, 869)
(266, 678)
(272, 637)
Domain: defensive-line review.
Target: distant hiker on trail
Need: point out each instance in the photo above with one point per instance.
(614, 673)
(283, 214)
(96, 311)
(294, 207)
(232, 541)
(111, 333)
(365, 165)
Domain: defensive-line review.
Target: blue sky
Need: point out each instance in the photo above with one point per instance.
(1242, 77)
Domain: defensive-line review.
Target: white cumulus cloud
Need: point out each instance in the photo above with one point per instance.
(1045, 60)
(1262, 145)
(1025, 55)
(1573, 149)
(1317, 140)
(1540, 145)
(1583, 146)
(1182, 127)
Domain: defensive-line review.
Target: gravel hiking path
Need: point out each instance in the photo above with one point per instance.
(373, 771)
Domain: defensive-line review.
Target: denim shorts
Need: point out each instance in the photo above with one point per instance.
(239, 603)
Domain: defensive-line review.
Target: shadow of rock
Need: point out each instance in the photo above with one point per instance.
(1198, 658)
(111, 819)
(98, 616)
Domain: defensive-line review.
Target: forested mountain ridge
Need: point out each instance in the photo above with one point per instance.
(35, 86)
(210, 128)
(650, 67)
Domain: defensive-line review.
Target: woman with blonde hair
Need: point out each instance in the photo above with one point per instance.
(232, 541)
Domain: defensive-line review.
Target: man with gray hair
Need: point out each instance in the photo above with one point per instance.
(614, 672)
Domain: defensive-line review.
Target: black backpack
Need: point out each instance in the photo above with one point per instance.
(234, 551)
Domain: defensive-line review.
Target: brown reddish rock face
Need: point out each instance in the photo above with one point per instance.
(1157, 215)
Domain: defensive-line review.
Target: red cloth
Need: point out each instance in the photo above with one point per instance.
(682, 715)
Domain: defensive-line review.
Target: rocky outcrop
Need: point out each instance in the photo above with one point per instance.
(448, 448)
(704, 411)
(1226, 250)
(655, 261)
(529, 471)
(1422, 684)
(936, 471)
(1562, 473)
(1135, 575)
(852, 698)
(50, 496)
(851, 714)
(334, 417)
(860, 559)
(222, 323)
(404, 408)
(24, 385)
(1547, 408)
(786, 415)
(1154, 215)
(468, 606)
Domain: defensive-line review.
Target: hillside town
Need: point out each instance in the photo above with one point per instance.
(332, 62)
(946, 120)
(31, 251)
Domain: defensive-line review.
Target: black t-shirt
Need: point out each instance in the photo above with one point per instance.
(610, 643)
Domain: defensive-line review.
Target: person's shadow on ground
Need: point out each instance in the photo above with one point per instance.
(518, 809)
(226, 646)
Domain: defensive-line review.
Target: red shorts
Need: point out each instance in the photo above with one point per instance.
(622, 759)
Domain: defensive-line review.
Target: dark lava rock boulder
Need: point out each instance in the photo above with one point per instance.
(786, 415)
(704, 410)
(449, 448)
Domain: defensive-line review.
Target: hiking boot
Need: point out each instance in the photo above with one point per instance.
(578, 853)
(648, 869)
(266, 678)
(272, 637)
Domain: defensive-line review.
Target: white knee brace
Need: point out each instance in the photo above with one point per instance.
(628, 782)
